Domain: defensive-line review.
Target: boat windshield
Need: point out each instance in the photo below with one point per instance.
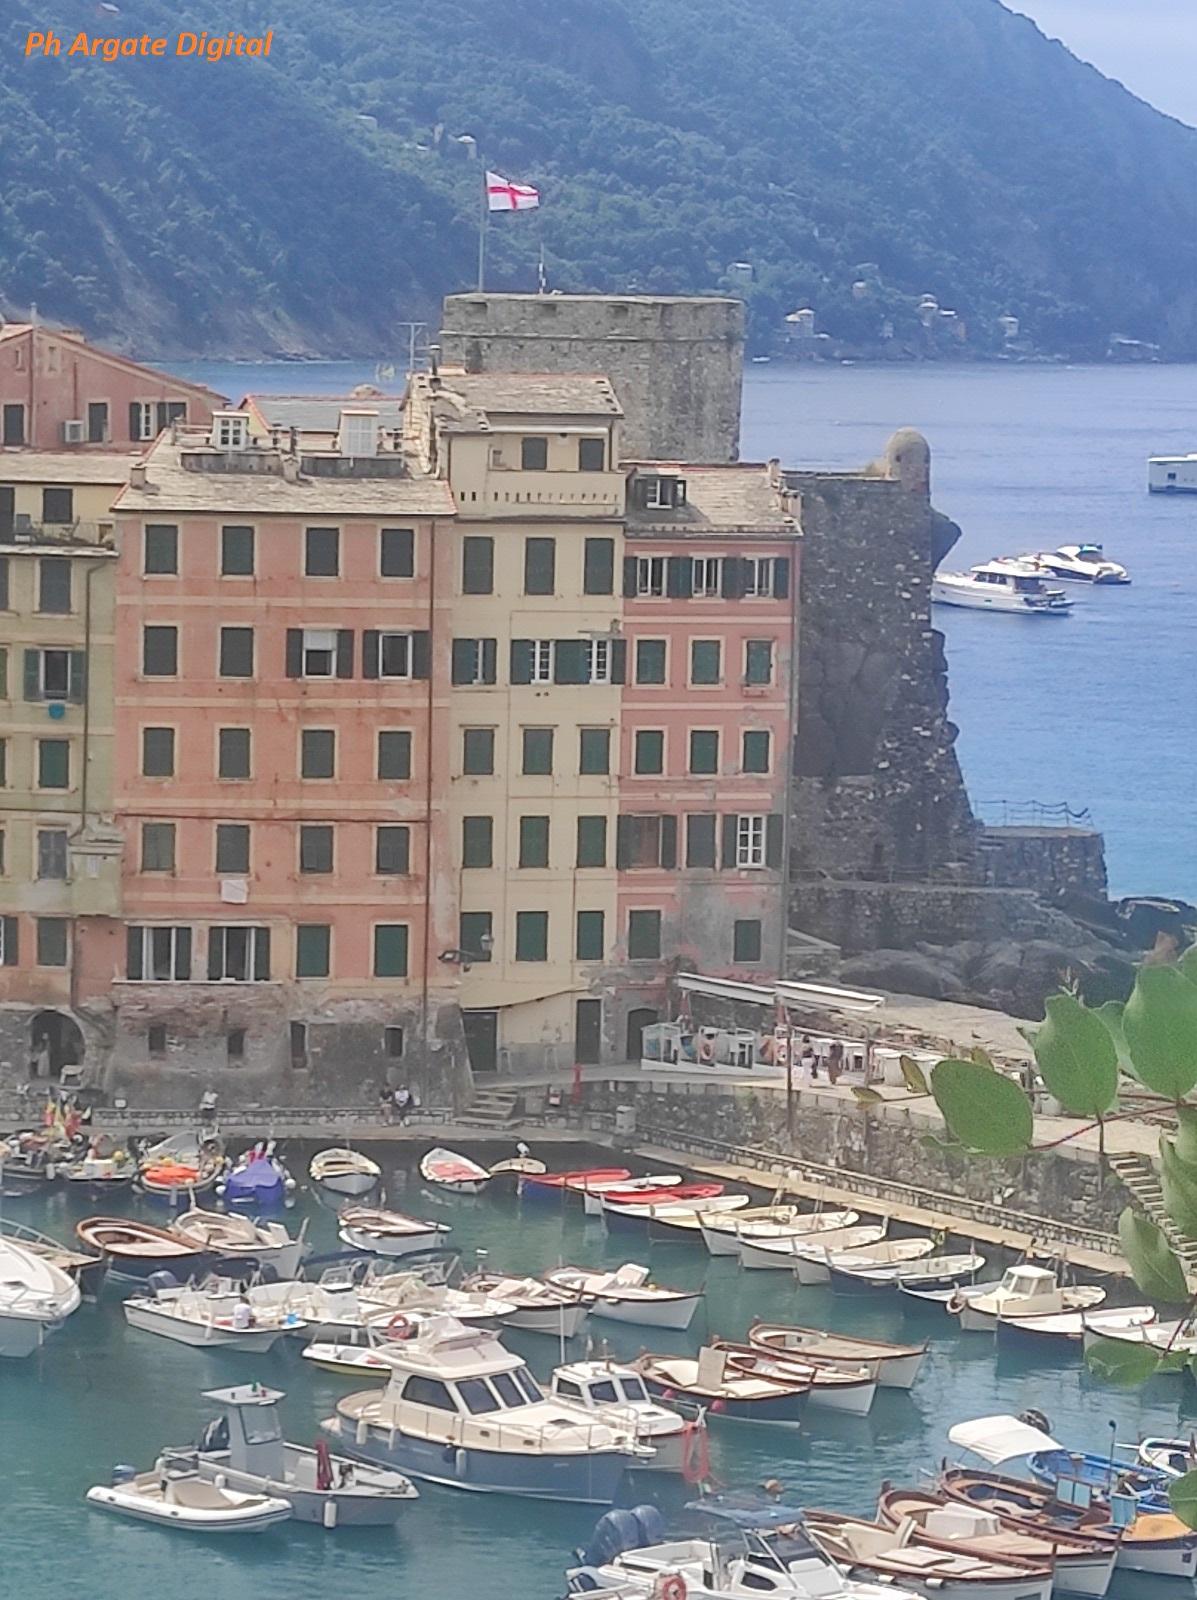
(604, 1391)
(262, 1429)
(516, 1388)
(633, 1389)
(478, 1396)
(1028, 585)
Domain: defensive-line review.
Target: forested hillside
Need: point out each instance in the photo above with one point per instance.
(308, 202)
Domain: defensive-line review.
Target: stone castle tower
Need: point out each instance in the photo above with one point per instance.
(676, 362)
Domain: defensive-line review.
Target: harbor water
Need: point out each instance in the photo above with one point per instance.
(100, 1393)
(1093, 711)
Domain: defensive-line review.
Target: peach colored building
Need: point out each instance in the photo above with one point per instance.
(282, 674)
(57, 391)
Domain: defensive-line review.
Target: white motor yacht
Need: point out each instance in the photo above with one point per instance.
(1084, 563)
(616, 1394)
(36, 1297)
(1001, 585)
(1025, 1291)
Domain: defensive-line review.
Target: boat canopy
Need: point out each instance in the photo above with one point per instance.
(998, 1439)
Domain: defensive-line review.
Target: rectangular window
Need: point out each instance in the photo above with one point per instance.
(232, 848)
(161, 548)
(322, 552)
(537, 752)
(157, 847)
(233, 758)
(592, 457)
(704, 751)
(650, 576)
(650, 661)
(700, 839)
(474, 661)
(392, 850)
(478, 752)
(236, 551)
(531, 936)
(706, 580)
(318, 652)
(51, 853)
(52, 939)
(394, 655)
(157, 752)
(236, 652)
(155, 1040)
(477, 841)
(390, 950)
(540, 566)
(589, 938)
(159, 651)
(542, 661)
(394, 754)
(52, 678)
(316, 847)
(97, 422)
(477, 564)
(594, 751)
(598, 565)
(534, 454)
(54, 586)
(392, 1042)
(234, 1044)
(158, 955)
(762, 577)
(746, 940)
(534, 841)
(397, 552)
(644, 935)
(706, 661)
(758, 661)
(318, 753)
(58, 506)
(474, 935)
(750, 841)
(599, 655)
(643, 840)
(313, 949)
(238, 955)
(53, 763)
(592, 842)
(649, 751)
(14, 424)
(755, 750)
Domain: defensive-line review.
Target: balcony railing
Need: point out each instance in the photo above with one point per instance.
(23, 530)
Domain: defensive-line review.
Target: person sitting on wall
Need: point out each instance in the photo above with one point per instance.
(809, 1060)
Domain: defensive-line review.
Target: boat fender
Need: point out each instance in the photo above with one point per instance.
(670, 1586)
(329, 1516)
(220, 1480)
(363, 1431)
(461, 1461)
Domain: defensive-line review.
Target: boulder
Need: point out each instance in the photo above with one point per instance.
(904, 972)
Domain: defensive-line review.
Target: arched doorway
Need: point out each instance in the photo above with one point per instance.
(639, 1019)
(55, 1042)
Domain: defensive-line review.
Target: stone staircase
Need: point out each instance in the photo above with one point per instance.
(1142, 1182)
(492, 1108)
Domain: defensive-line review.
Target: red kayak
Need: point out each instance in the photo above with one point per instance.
(554, 1182)
(682, 1192)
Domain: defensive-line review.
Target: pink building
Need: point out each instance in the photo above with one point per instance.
(57, 391)
(279, 777)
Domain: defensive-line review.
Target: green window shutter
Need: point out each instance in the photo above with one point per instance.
(773, 833)
(33, 689)
(732, 579)
(746, 940)
(344, 652)
(704, 751)
(77, 691)
(598, 566)
(619, 661)
(421, 654)
(679, 577)
(463, 657)
(629, 577)
(12, 941)
(313, 943)
(731, 824)
(540, 566)
(133, 951)
(569, 661)
(534, 842)
(589, 941)
(623, 842)
(262, 955)
(755, 750)
(490, 654)
(592, 842)
(295, 652)
(477, 564)
(477, 841)
(521, 661)
(370, 653)
(531, 936)
(700, 839)
(390, 950)
(668, 841)
(781, 578)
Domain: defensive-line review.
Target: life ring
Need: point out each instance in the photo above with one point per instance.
(399, 1327)
(672, 1586)
(706, 1054)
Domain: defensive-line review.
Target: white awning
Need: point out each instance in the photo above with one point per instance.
(822, 995)
(998, 1439)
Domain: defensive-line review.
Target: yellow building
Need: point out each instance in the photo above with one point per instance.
(59, 851)
(532, 461)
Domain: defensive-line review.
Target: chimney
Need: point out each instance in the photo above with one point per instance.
(290, 469)
(137, 477)
(773, 470)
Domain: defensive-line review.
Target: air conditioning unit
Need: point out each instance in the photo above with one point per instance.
(74, 432)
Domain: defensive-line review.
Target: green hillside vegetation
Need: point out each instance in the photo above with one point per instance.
(309, 202)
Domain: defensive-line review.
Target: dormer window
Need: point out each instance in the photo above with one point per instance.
(357, 433)
(230, 430)
(659, 492)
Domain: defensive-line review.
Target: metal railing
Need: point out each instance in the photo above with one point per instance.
(1033, 814)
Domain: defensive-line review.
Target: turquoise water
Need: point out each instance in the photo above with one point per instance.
(100, 1393)
(1096, 711)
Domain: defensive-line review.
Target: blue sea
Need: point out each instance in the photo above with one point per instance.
(1096, 712)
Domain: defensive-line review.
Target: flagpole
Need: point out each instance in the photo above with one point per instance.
(483, 220)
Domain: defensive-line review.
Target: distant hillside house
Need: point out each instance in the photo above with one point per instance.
(59, 392)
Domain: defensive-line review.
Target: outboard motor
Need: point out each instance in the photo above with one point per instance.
(615, 1532)
(651, 1524)
(157, 1281)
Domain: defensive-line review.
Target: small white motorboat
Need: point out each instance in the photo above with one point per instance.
(1173, 1457)
(1011, 586)
(615, 1394)
(343, 1171)
(894, 1366)
(1178, 1337)
(538, 1307)
(226, 1236)
(182, 1499)
(1084, 563)
(627, 1295)
(36, 1297)
(384, 1289)
(925, 1270)
(794, 1251)
(1025, 1291)
(837, 1265)
(872, 1550)
(1066, 1328)
(832, 1388)
(216, 1315)
(594, 1189)
(449, 1170)
(723, 1235)
(388, 1233)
